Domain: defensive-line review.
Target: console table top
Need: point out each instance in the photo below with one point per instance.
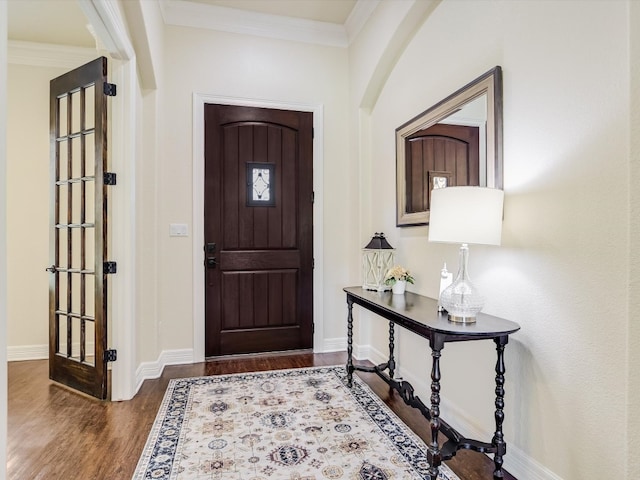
(420, 315)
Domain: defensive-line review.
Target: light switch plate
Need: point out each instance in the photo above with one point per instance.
(178, 230)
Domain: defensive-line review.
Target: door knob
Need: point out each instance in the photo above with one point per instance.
(211, 262)
(52, 269)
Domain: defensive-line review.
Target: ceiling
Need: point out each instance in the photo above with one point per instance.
(62, 22)
(332, 11)
(59, 22)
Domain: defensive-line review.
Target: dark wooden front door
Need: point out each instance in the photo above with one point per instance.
(438, 156)
(258, 230)
(78, 213)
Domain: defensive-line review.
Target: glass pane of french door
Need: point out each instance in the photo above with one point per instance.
(75, 188)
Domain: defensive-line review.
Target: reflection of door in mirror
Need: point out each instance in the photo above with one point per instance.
(441, 155)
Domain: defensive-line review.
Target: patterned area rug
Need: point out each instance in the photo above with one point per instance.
(301, 424)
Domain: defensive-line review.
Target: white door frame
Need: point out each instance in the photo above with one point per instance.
(199, 101)
(104, 16)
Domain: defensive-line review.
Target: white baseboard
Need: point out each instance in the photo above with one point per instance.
(150, 370)
(334, 345)
(339, 344)
(367, 352)
(27, 352)
(21, 353)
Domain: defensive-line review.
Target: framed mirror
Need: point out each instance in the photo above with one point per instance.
(458, 141)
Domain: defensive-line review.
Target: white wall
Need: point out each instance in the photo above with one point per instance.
(3, 237)
(28, 209)
(562, 271)
(149, 265)
(31, 67)
(633, 337)
(145, 29)
(230, 65)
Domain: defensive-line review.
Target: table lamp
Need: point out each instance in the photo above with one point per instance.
(465, 215)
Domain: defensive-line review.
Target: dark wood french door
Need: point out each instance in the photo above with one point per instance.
(78, 216)
(258, 230)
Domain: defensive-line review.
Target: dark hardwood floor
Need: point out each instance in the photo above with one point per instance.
(55, 433)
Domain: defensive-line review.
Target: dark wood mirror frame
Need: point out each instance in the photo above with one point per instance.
(489, 166)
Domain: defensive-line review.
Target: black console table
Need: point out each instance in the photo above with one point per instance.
(420, 315)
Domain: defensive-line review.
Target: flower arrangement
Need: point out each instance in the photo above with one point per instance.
(397, 273)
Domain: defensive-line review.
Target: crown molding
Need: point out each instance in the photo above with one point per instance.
(359, 16)
(48, 55)
(189, 14)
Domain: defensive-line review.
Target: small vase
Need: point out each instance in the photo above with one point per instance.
(398, 287)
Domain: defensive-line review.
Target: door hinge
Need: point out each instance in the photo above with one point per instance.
(110, 267)
(313, 197)
(110, 178)
(110, 355)
(110, 89)
(313, 263)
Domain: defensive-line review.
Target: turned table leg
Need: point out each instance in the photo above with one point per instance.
(392, 362)
(350, 342)
(434, 456)
(498, 437)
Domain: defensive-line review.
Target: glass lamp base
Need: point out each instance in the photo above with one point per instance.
(461, 299)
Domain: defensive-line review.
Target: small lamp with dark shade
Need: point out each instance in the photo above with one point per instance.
(377, 259)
